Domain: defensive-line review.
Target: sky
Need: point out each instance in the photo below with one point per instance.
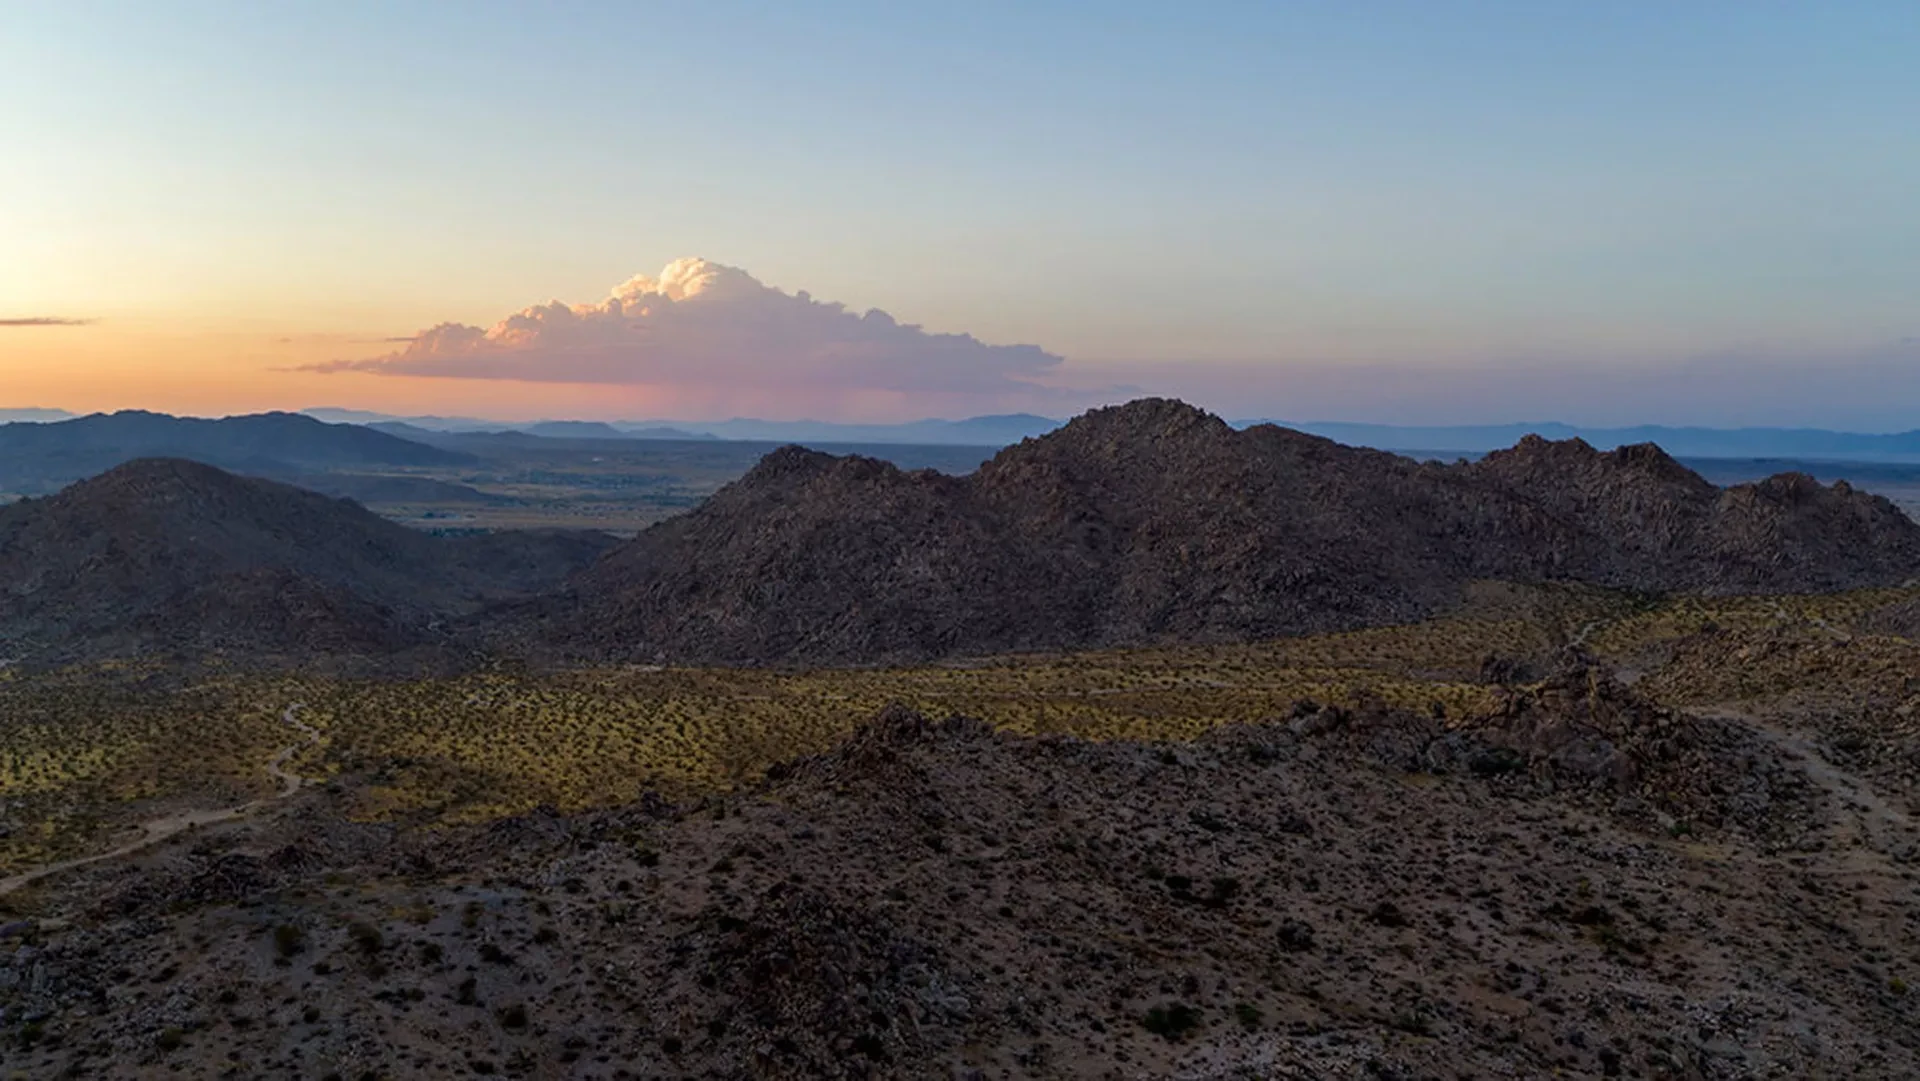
(1425, 212)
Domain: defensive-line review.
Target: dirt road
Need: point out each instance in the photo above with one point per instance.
(155, 830)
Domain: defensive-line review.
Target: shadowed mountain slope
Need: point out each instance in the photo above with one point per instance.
(1156, 521)
(164, 553)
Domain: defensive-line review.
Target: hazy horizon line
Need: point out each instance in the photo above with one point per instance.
(379, 416)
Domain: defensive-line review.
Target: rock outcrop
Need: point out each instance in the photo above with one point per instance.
(1155, 521)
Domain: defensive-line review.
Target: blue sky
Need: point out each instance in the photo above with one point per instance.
(1276, 205)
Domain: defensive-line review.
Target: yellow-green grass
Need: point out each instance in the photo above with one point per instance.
(82, 750)
(85, 749)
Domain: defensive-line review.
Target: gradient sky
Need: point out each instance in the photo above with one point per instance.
(1418, 212)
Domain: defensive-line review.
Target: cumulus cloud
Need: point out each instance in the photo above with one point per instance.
(43, 321)
(703, 324)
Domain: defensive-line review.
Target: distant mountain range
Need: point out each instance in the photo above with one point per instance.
(33, 416)
(987, 431)
(1441, 441)
(1002, 430)
(553, 434)
(430, 423)
(429, 428)
(593, 429)
(40, 457)
(1145, 523)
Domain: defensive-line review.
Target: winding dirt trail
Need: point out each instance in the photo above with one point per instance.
(155, 830)
(290, 782)
(1586, 632)
(1866, 831)
(1864, 818)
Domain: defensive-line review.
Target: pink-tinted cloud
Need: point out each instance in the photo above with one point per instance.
(703, 325)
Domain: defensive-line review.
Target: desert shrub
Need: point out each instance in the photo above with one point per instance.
(1296, 936)
(1208, 821)
(1387, 914)
(288, 939)
(366, 938)
(871, 1045)
(1172, 1021)
(1495, 761)
(1224, 889)
(1414, 1023)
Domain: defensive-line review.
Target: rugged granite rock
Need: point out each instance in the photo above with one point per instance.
(1155, 521)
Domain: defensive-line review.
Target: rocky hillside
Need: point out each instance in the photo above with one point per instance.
(1646, 521)
(163, 553)
(37, 458)
(1580, 886)
(1155, 521)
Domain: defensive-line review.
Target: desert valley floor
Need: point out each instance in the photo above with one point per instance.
(1566, 832)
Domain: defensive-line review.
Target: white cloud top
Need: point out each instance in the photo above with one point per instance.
(703, 324)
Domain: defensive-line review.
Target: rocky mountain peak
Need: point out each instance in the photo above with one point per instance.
(146, 477)
(1145, 419)
(1156, 521)
(1650, 459)
(1536, 451)
(788, 465)
(1574, 466)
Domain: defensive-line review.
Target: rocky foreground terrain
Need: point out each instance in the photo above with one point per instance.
(1577, 884)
